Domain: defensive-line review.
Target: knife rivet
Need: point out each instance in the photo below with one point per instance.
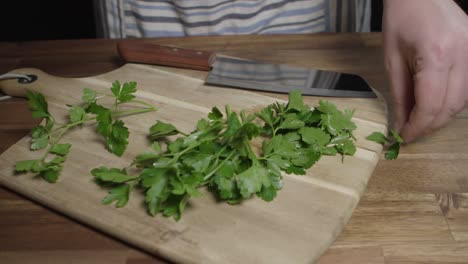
(199, 53)
(175, 49)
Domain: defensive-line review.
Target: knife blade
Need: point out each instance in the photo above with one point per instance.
(247, 74)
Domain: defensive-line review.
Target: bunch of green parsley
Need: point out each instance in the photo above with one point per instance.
(220, 154)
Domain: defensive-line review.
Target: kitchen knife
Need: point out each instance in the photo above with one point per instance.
(248, 74)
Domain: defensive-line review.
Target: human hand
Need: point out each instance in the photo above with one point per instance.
(426, 57)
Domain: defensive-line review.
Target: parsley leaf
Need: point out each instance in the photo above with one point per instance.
(162, 129)
(266, 114)
(60, 149)
(77, 113)
(117, 140)
(38, 105)
(27, 165)
(124, 93)
(215, 114)
(291, 122)
(155, 182)
(295, 101)
(251, 180)
(111, 175)
(40, 138)
(394, 149)
(120, 193)
(50, 172)
(313, 135)
(89, 96)
(267, 193)
(378, 137)
(103, 118)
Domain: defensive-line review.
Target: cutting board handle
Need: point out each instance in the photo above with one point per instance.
(147, 53)
(18, 86)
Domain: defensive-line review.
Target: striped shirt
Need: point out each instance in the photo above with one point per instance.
(174, 18)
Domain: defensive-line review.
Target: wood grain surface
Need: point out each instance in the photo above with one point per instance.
(414, 210)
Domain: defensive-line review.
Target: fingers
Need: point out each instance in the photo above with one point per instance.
(401, 90)
(430, 87)
(455, 98)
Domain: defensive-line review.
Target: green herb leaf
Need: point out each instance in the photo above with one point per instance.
(125, 92)
(112, 175)
(50, 172)
(27, 165)
(40, 138)
(326, 107)
(329, 151)
(266, 114)
(215, 114)
(155, 180)
(313, 135)
(60, 149)
(347, 148)
(38, 105)
(117, 141)
(58, 160)
(251, 180)
(120, 193)
(89, 96)
(291, 122)
(162, 129)
(146, 159)
(378, 137)
(77, 114)
(393, 151)
(103, 118)
(233, 125)
(295, 101)
(267, 194)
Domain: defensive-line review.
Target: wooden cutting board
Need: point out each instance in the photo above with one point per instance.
(297, 227)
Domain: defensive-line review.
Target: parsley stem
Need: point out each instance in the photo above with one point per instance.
(64, 128)
(182, 133)
(132, 112)
(104, 94)
(266, 157)
(131, 101)
(116, 104)
(177, 155)
(250, 152)
(275, 130)
(69, 125)
(141, 103)
(219, 166)
(54, 142)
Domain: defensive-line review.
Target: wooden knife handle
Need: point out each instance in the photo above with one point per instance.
(18, 87)
(147, 53)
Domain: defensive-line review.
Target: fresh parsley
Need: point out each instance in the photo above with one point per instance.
(395, 141)
(235, 155)
(48, 134)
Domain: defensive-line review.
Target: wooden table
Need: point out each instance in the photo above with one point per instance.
(415, 209)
